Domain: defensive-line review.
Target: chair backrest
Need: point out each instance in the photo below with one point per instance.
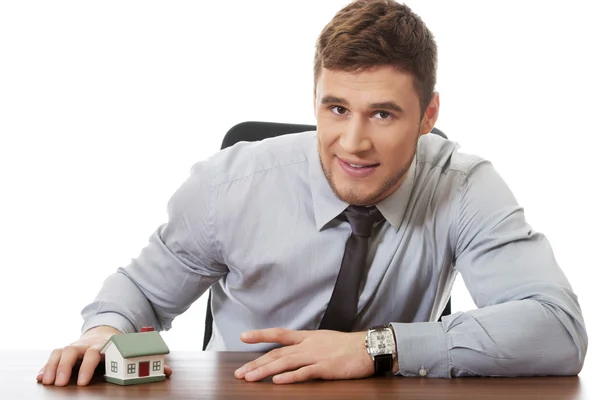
(251, 131)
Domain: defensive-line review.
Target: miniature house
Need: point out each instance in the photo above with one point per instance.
(134, 358)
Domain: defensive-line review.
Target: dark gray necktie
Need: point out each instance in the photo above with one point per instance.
(341, 310)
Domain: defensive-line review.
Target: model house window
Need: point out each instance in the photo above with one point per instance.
(114, 366)
(131, 368)
(156, 366)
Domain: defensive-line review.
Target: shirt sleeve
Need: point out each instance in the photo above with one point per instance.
(528, 321)
(176, 267)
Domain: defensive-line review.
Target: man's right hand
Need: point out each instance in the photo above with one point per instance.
(60, 365)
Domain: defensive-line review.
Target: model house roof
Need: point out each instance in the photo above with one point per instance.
(138, 344)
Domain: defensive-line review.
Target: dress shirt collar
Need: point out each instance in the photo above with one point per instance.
(327, 206)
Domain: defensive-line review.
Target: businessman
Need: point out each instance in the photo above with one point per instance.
(316, 242)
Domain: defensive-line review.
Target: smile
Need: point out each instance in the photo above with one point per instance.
(358, 170)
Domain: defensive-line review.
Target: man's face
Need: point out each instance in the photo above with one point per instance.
(368, 124)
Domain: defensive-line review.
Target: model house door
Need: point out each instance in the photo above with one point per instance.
(144, 368)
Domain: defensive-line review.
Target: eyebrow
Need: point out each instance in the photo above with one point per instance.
(384, 105)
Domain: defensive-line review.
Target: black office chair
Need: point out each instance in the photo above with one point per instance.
(252, 131)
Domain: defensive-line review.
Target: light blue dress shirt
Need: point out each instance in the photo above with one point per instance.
(257, 223)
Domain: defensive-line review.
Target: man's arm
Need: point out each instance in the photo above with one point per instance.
(176, 267)
(170, 273)
(528, 320)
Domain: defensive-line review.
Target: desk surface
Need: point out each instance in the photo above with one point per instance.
(208, 375)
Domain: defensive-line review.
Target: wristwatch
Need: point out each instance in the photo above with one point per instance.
(381, 346)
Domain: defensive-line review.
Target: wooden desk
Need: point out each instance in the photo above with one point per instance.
(209, 375)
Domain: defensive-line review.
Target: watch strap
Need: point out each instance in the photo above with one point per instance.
(376, 327)
(384, 363)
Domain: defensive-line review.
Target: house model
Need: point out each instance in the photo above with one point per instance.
(134, 358)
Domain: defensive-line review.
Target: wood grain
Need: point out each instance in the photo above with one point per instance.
(209, 375)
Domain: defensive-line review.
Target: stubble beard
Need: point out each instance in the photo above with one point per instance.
(348, 195)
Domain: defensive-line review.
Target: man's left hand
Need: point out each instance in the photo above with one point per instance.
(306, 355)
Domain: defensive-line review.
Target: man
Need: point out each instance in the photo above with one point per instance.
(280, 229)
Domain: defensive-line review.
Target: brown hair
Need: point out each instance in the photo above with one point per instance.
(371, 33)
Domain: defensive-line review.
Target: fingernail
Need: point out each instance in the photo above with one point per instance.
(240, 371)
(61, 376)
(245, 335)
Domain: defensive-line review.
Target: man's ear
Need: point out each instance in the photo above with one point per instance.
(431, 114)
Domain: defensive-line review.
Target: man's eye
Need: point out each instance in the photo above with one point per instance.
(338, 110)
(383, 114)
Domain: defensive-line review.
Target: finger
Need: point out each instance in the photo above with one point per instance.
(168, 370)
(282, 336)
(69, 357)
(265, 359)
(91, 359)
(284, 364)
(40, 374)
(303, 374)
(50, 367)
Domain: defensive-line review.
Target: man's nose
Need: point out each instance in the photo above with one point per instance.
(355, 138)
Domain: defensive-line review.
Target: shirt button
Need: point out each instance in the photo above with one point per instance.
(422, 372)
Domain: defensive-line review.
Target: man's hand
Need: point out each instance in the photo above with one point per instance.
(320, 354)
(60, 365)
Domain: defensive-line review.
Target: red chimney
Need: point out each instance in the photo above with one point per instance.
(147, 329)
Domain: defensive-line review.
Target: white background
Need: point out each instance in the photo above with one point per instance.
(105, 106)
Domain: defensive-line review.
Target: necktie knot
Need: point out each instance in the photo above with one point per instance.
(362, 219)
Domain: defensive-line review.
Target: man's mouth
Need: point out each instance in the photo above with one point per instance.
(358, 169)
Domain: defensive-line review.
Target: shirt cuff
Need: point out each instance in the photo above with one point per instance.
(111, 319)
(422, 349)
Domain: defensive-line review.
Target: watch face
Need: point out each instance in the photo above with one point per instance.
(381, 342)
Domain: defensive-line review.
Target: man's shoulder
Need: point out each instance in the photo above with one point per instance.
(435, 152)
(245, 159)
